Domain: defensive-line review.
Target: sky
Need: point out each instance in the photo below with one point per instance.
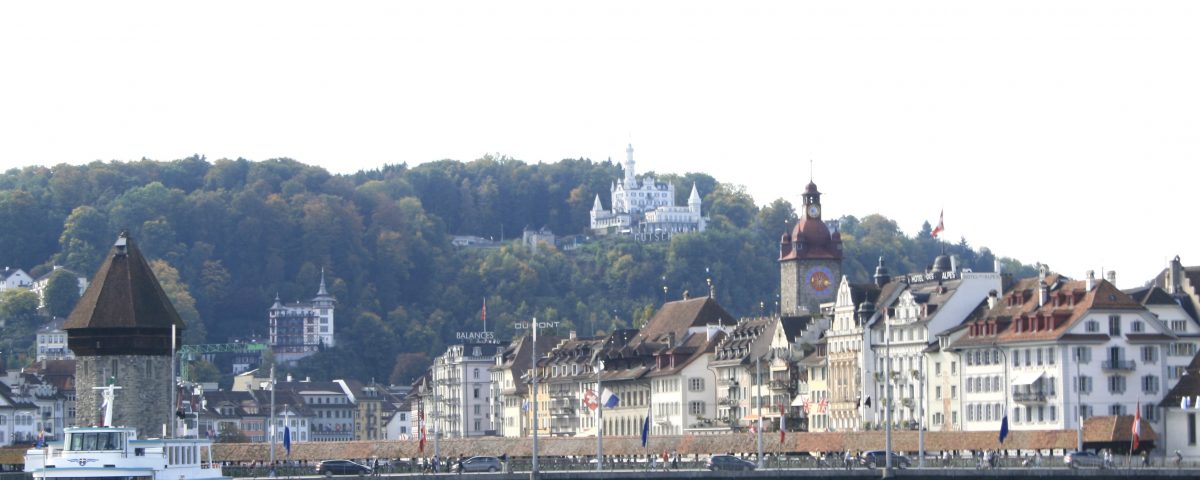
(1058, 132)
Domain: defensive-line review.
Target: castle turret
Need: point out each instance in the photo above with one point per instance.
(694, 200)
(121, 332)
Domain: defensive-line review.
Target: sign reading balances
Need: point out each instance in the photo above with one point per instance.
(477, 337)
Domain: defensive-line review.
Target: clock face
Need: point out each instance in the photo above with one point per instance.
(814, 211)
(820, 280)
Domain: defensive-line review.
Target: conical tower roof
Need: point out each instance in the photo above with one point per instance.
(124, 294)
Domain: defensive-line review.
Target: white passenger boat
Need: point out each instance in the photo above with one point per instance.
(116, 453)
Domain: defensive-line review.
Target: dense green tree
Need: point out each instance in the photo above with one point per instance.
(227, 236)
(62, 292)
(177, 291)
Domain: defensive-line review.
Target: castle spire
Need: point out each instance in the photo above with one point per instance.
(596, 204)
(630, 178)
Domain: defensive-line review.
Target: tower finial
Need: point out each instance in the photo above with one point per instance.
(321, 292)
(810, 170)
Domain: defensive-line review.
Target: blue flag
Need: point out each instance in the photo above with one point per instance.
(646, 428)
(287, 440)
(609, 399)
(1003, 429)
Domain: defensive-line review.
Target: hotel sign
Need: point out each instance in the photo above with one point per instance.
(477, 337)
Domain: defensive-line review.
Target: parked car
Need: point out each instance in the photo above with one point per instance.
(1083, 459)
(878, 458)
(330, 468)
(728, 462)
(479, 464)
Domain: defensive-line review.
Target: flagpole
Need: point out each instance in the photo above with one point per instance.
(533, 349)
(272, 420)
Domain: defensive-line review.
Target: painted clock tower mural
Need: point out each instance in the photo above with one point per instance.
(810, 260)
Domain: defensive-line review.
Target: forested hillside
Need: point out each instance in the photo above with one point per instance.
(228, 235)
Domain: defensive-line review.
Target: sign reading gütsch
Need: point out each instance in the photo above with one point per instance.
(540, 325)
(477, 337)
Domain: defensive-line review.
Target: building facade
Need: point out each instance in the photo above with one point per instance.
(297, 330)
(645, 209)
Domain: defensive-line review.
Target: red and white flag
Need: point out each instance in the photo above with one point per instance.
(782, 422)
(590, 400)
(940, 226)
(1137, 425)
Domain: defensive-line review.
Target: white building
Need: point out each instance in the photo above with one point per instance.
(1053, 350)
(15, 278)
(300, 329)
(463, 391)
(645, 208)
(927, 305)
(18, 419)
(52, 342)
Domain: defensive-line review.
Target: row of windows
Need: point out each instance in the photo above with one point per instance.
(18, 419)
(1036, 356)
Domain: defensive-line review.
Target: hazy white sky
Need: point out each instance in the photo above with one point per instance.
(1060, 132)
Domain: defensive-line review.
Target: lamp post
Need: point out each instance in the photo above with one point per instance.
(1079, 400)
(599, 418)
(272, 420)
(758, 399)
(1004, 416)
(921, 415)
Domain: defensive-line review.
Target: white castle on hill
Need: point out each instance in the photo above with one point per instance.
(645, 209)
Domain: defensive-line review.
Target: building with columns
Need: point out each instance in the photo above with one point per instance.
(645, 208)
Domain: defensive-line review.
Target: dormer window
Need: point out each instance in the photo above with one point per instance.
(1092, 326)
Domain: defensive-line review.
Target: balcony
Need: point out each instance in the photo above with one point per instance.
(727, 382)
(562, 410)
(1114, 364)
(1029, 397)
(727, 402)
(779, 384)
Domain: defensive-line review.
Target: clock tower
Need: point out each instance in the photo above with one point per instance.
(810, 260)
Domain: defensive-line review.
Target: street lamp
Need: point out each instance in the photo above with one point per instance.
(599, 418)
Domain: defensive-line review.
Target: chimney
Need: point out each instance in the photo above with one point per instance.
(670, 339)
(289, 378)
(1112, 277)
(1043, 293)
(572, 335)
(954, 263)
(1174, 271)
(992, 299)
(997, 266)
(1091, 280)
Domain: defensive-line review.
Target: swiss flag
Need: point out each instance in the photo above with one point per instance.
(590, 400)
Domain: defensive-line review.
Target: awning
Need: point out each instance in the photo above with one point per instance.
(1027, 378)
(799, 400)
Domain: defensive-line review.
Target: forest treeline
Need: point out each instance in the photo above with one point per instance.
(227, 236)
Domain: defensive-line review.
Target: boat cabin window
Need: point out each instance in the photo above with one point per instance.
(96, 441)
